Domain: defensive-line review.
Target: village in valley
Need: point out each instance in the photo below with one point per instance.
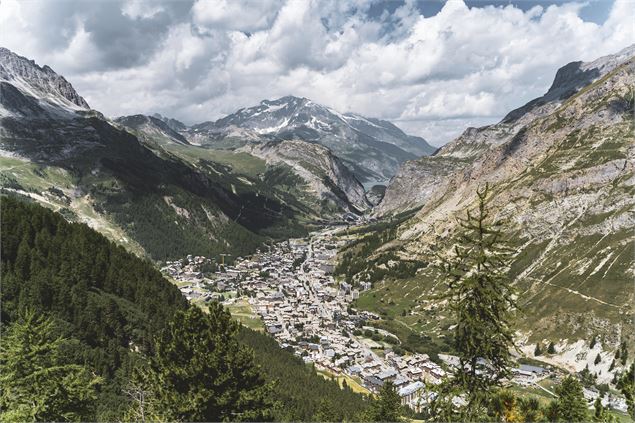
(290, 292)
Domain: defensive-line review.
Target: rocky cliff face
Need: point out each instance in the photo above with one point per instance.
(151, 129)
(40, 84)
(325, 175)
(565, 183)
(415, 181)
(474, 143)
(174, 124)
(375, 194)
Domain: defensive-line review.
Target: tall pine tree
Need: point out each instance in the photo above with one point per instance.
(570, 405)
(481, 298)
(387, 408)
(38, 384)
(626, 384)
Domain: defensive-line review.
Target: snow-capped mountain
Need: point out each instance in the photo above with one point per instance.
(372, 148)
(29, 89)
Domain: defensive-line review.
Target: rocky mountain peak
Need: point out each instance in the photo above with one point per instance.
(174, 124)
(38, 82)
(569, 80)
(372, 148)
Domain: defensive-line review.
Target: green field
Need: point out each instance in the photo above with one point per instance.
(352, 383)
(242, 311)
(239, 162)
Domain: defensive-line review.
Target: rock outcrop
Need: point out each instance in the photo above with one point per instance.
(326, 176)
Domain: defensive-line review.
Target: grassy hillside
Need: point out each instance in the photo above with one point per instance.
(153, 202)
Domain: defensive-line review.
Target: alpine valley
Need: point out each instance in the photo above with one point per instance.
(326, 230)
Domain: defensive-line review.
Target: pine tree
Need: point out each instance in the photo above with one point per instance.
(530, 410)
(387, 408)
(593, 342)
(570, 405)
(626, 384)
(326, 412)
(201, 373)
(481, 298)
(38, 384)
(552, 348)
(600, 413)
(537, 350)
(504, 407)
(598, 359)
(624, 353)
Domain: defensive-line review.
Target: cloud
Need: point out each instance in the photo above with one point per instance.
(198, 60)
(231, 15)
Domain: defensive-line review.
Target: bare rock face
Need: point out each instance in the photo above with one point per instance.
(415, 181)
(151, 128)
(474, 143)
(39, 82)
(326, 176)
(375, 194)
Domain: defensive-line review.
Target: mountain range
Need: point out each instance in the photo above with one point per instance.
(207, 184)
(560, 169)
(57, 151)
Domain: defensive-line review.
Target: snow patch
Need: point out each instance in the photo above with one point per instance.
(272, 128)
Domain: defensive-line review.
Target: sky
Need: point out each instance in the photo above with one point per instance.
(431, 67)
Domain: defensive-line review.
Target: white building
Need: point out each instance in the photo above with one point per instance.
(411, 395)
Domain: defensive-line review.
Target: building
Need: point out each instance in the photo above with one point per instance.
(411, 395)
(538, 371)
(373, 383)
(387, 375)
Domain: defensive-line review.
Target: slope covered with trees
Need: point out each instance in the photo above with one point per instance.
(80, 313)
(104, 298)
(302, 395)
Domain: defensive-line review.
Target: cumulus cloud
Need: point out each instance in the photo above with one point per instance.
(235, 16)
(198, 60)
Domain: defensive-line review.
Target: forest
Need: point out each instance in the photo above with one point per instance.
(86, 313)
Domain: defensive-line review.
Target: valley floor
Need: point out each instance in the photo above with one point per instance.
(289, 292)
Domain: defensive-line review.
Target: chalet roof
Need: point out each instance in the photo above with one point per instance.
(387, 374)
(411, 389)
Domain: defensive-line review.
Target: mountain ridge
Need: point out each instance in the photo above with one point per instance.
(375, 145)
(39, 80)
(76, 161)
(564, 183)
(473, 143)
